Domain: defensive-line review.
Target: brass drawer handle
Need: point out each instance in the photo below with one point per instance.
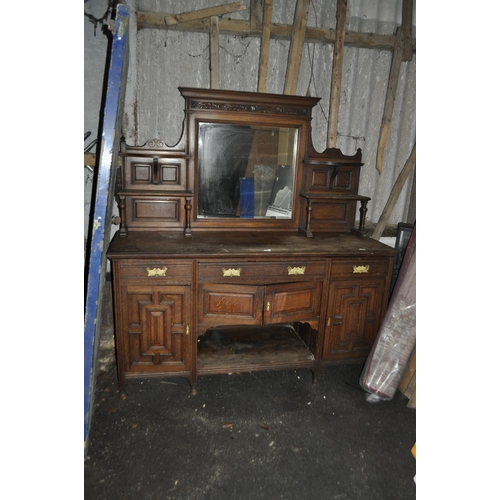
(296, 270)
(231, 272)
(156, 271)
(360, 269)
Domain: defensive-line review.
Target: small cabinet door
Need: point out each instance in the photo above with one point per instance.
(292, 302)
(353, 318)
(155, 330)
(258, 304)
(230, 304)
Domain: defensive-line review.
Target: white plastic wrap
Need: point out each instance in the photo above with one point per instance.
(396, 338)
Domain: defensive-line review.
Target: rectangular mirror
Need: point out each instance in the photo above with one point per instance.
(246, 171)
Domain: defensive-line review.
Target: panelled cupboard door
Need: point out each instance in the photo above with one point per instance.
(353, 318)
(155, 333)
(292, 302)
(259, 304)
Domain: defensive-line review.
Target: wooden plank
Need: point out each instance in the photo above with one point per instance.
(264, 45)
(256, 14)
(393, 197)
(338, 57)
(240, 27)
(406, 25)
(214, 53)
(89, 159)
(409, 374)
(296, 45)
(168, 20)
(390, 98)
(102, 206)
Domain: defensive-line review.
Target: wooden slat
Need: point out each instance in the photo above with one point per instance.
(407, 21)
(168, 20)
(264, 45)
(256, 14)
(296, 45)
(214, 52)
(338, 57)
(390, 98)
(408, 383)
(396, 191)
(240, 27)
(89, 159)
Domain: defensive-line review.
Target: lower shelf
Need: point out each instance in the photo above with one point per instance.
(252, 348)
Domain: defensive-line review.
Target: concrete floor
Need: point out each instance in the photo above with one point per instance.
(263, 435)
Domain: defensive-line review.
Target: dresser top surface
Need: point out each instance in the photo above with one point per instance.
(243, 244)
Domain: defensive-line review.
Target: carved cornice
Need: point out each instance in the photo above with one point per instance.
(248, 108)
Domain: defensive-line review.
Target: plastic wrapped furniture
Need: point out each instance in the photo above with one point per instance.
(397, 335)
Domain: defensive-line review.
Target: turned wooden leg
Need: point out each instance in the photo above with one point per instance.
(308, 219)
(121, 207)
(187, 208)
(362, 217)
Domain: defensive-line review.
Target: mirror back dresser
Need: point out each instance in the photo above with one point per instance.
(238, 248)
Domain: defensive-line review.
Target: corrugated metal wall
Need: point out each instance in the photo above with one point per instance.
(163, 60)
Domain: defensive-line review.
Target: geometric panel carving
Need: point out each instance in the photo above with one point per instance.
(156, 325)
(354, 318)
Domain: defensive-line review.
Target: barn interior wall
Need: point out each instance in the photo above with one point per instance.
(162, 60)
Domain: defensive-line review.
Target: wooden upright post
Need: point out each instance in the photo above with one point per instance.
(264, 45)
(214, 53)
(338, 57)
(393, 197)
(296, 45)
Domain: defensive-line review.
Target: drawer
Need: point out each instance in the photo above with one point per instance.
(261, 272)
(156, 270)
(359, 267)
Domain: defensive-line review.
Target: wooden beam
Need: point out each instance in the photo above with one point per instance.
(264, 45)
(89, 159)
(256, 14)
(390, 98)
(407, 23)
(214, 53)
(296, 45)
(169, 20)
(239, 27)
(338, 57)
(396, 191)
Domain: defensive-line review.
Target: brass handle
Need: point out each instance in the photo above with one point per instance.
(268, 307)
(231, 272)
(329, 322)
(360, 269)
(296, 270)
(188, 330)
(156, 271)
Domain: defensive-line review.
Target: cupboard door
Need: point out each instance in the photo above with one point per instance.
(292, 302)
(155, 328)
(230, 304)
(353, 318)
